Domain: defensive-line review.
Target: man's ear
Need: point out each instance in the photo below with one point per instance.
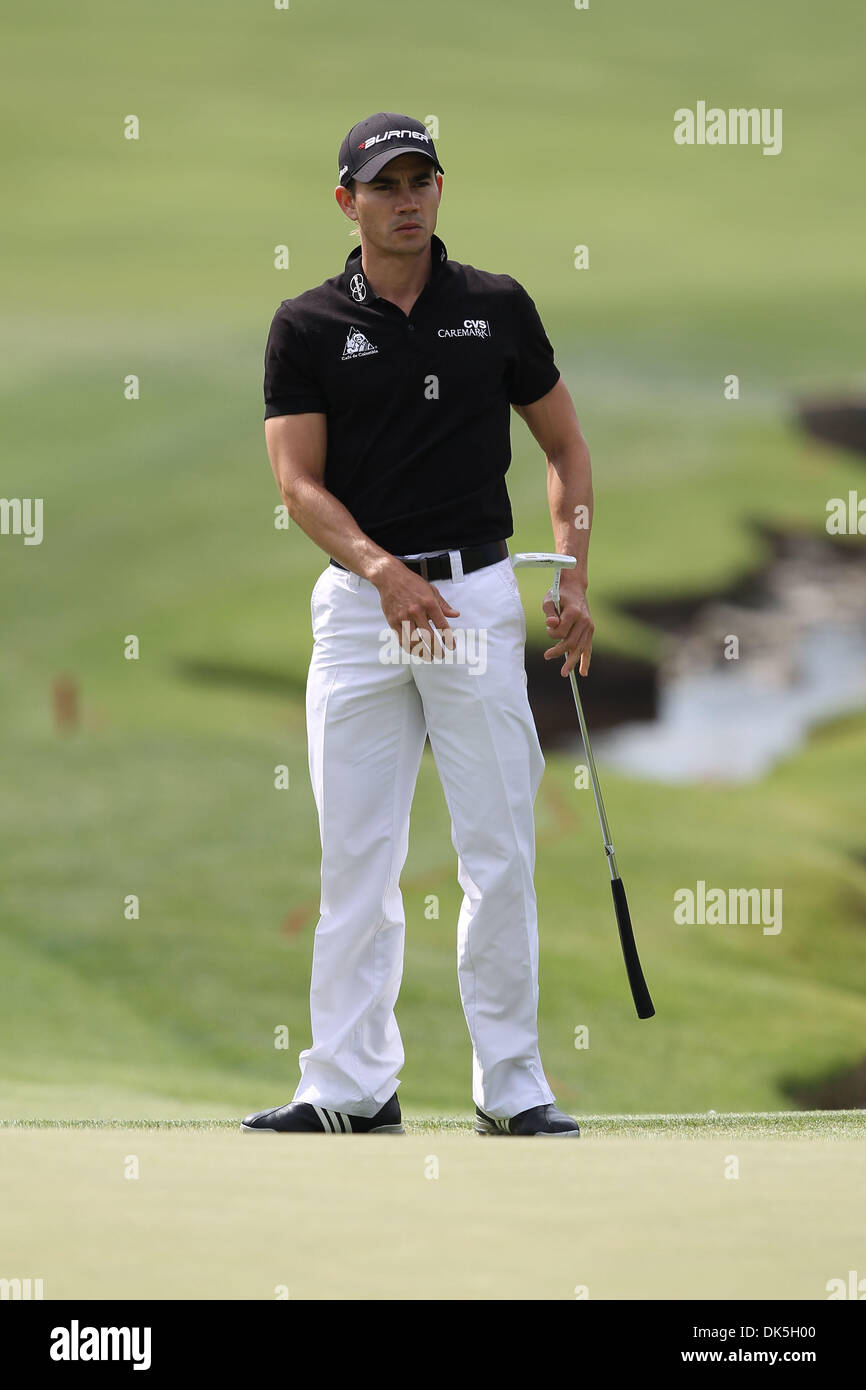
(346, 202)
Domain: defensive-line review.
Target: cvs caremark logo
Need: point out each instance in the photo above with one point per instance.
(472, 328)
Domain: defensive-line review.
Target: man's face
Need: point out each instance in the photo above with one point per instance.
(396, 211)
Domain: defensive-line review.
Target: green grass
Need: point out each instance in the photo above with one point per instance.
(138, 1214)
(180, 1007)
(801, 1124)
(155, 258)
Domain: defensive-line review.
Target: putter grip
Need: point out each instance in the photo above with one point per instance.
(639, 992)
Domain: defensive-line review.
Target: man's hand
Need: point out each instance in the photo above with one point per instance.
(410, 605)
(573, 629)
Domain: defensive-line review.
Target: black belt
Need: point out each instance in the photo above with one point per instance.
(474, 557)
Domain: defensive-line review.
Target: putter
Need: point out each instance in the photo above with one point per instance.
(639, 992)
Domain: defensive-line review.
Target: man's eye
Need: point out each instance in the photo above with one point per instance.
(422, 182)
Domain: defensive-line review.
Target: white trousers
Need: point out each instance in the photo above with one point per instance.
(367, 718)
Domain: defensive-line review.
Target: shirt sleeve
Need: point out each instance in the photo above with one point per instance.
(533, 371)
(291, 387)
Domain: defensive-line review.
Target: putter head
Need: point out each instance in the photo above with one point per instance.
(544, 559)
(539, 558)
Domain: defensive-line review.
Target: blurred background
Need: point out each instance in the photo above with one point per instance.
(155, 777)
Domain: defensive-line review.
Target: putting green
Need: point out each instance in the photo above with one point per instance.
(440, 1215)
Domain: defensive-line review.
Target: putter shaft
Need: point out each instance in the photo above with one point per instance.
(593, 776)
(640, 994)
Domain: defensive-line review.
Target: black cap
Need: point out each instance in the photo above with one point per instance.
(373, 142)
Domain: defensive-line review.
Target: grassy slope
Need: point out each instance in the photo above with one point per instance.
(155, 258)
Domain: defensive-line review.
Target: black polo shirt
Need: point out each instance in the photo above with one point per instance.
(418, 406)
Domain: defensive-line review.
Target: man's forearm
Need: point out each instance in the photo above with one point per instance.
(331, 526)
(569, 494)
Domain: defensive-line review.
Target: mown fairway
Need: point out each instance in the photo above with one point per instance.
(155, 258)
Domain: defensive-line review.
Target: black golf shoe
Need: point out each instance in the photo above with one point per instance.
(300, 1118)
(541, 1119)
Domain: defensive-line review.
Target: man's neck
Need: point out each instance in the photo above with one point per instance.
(399, 279)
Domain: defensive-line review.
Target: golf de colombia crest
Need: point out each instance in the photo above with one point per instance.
(357, 345)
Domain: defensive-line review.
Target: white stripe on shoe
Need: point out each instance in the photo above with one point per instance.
(324, 1120)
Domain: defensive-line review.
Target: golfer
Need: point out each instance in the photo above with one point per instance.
(388, 392)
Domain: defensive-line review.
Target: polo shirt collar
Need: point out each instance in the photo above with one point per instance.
(356, 286)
